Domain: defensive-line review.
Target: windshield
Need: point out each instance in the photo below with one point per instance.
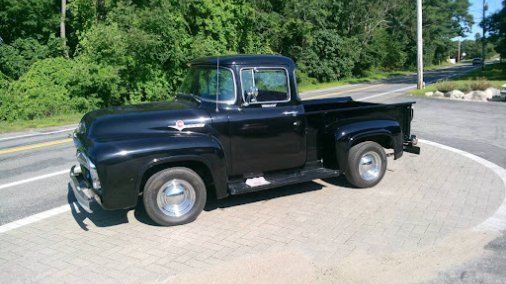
(206, 83)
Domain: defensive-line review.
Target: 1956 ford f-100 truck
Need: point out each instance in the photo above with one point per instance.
(236, 126)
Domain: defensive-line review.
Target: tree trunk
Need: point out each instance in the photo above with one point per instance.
(62, 26)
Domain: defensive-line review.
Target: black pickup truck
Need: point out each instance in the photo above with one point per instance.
(236, 126)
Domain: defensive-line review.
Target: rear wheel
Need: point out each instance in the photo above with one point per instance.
(367, 163)
(174, 196)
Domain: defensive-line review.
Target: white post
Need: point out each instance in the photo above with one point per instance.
(419, 44)
(62, 25)
(483, 38)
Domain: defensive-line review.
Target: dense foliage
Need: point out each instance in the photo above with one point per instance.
(130, 51)
(496, 24)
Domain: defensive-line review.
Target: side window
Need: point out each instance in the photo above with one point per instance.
(272, 84)
(202, 82)
(208, 80)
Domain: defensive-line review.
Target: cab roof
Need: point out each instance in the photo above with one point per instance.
(254, 60)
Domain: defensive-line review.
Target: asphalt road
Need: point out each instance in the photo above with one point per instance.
(47, 155)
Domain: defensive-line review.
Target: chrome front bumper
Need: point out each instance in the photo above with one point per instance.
(85, 196)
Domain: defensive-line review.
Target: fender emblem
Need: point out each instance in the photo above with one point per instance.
(180, 125)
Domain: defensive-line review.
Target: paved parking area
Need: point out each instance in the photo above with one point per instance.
(419, 220)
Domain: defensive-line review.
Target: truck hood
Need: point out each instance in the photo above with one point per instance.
(139, 121)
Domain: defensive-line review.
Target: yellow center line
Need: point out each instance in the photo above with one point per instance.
(343, 92)
(35, 146)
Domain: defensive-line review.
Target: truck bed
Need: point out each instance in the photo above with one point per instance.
(345, 109)
(320, 114)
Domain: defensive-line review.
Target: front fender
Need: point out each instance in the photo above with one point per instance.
(121, 164)
(388, 133)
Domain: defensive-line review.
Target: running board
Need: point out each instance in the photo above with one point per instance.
(281, 179)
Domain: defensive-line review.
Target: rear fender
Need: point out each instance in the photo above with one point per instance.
(387, 133)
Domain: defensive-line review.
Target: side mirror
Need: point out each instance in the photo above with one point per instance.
(251, 95)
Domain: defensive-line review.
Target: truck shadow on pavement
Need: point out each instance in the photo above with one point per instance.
(104, 218)
(99, 217)
(213, 203)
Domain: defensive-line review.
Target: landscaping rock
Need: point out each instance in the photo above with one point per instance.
(438, 94)
(468, 96)
(456, 95)
(429, 94)
(492, 92)
(479, 96)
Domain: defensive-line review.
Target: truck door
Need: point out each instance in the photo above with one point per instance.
(268, 132)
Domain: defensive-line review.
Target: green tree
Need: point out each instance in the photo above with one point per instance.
(37, 19)
(496, 24)
(17, 57)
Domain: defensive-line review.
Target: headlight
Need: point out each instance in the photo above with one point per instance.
(86, 162)
(94, 175)
(81, 128)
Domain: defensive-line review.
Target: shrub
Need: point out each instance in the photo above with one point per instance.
(4, 81)
(330, 56)
(304, 79)
(38, 93)
(17, 57)
(56, 86)
(464, 87)
(92, 85)
(481, 84)
(446, 86)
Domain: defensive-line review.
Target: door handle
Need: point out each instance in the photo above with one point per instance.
(291, 113)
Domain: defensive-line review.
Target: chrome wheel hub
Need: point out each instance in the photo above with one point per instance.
(369, 167)
(176, 198)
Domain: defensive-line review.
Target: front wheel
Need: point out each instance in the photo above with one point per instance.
(367, 163)
(174, 196)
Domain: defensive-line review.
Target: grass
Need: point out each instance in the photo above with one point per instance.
(494, 75)
(370, 76)
(437, 66)
(57, 120)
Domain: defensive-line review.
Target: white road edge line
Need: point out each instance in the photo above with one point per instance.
(496, 222)
(33, 179)
(36, 134)
(386, 93)
(34, 218)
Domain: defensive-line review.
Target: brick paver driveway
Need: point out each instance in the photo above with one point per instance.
(419, 220)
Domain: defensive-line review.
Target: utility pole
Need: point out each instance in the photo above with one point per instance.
(419, 44)
(483, 37)
(458, 52)
(62, 26)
